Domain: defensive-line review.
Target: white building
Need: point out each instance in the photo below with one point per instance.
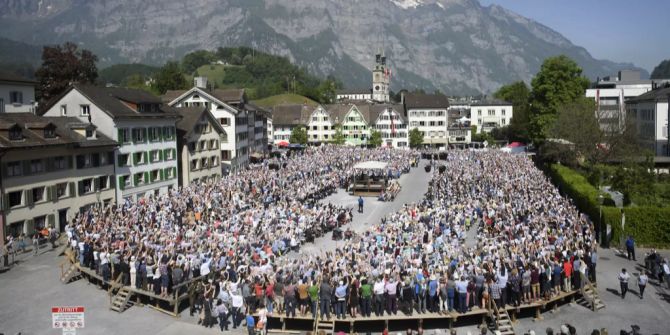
(146, 159)
(363, 94)
(285, 118)
(390, 121)
(17, 94)
(649, 115)
(244, 135)
(611, 94)
(320, 128)
(490, 114)
(428, 113)
(199, 136)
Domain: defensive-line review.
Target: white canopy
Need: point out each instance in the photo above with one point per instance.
(370, 165)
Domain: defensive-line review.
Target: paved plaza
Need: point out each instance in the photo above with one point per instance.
(32, 287)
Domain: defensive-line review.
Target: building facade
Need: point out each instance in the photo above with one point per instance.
(285, 118)
(245, 125)
(320, 127)
(51, 168)
(17, 94)
(428, 113)
(490, 114)
(146, 158)
(391, 123)
(648, 113)
(199, 136)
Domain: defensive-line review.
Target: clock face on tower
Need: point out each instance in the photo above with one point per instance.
(377, 88)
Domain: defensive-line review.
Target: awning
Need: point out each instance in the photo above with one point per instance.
(370, 165)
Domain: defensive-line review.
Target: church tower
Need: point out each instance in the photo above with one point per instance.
(381, 79)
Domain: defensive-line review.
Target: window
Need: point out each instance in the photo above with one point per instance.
(325, 136)
(103, 182)
(225, 121)
(440, 123)
(85, 110)
(38, 194)
(194, 165)
(314, 127)
(60, 163)
(139, 179)
(503, 121)
(15, 97)
(155, 156)
(503, 112)
(63, 110)
(139, 158)
(154, 134)
(14, 169)
(215, 161)
(84, 161)
(123, 160)
(212, 145)
(204, 162)
(15, 198)
(61, 190)
(479, 112)
(125, 181)
(168, 133)
(170, 173)
(191, 146)
(36, 166)
(50, 132)
(40, 222)
(139, 135)
(155, 175)
(90, 133)
(124, 135)
(479, 121)
(432, 123)
(86, 186)
(492, 112)
(15, 134)
(169, 154)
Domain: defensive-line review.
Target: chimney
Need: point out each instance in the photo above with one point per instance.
(402, 97)
(200, 82)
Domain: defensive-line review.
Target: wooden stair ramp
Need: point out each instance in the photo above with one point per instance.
(590, 295)
(121, 300)
(503, 323)
(71, 273)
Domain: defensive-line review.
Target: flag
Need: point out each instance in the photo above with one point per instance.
(392, 124)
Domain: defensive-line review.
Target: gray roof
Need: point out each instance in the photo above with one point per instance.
(418, 100)
(190, 117)
(291, 115)
(32, 129)
(660, 94)
(369, 111)
(15, 78)
(111, 101)
(492, 102)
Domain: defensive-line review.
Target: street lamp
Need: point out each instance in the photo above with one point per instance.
(601, 199)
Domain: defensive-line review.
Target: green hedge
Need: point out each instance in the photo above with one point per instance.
(650, 226)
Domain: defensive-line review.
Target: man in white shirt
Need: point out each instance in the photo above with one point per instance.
(623, 281)
(378, 290)
(238, 307)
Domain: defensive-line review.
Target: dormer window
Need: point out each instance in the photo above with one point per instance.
(50, 132)
(90, 134)
(196, 97)
(15, 134)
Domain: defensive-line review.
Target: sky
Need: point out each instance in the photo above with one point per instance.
(636, 31)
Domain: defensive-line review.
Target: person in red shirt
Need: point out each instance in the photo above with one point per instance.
(567, 275)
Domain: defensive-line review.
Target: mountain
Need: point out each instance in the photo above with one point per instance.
(457, 46)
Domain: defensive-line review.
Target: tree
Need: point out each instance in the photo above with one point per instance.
(298, 135)
(339, 138)
(559, 82)
(662, 71)
(62, 65)
(576, 123)
(192, 61)
(415, 138)
(375, 138)
(169, 77)
(519, 95)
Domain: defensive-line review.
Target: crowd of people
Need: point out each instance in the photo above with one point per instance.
(531, 243)
(232, 228)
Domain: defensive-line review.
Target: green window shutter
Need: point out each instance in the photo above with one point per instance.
(135, 158)
(96, 184)
(160, 155)
(146, 177)
(71, 189)
(80, 188)
(5, 202)
(122, 185)
(174, 172)
(54, 193)
(136, 178)
(51, 219)
(29, 225)
(146, 157)
(49, 195)
(144, 132)
(29, 198)
(120, 136)
(26, 168)
(162, 174)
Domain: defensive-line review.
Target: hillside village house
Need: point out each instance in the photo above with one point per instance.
(648, 113)
(320, 126)
(489, 114)
(285, 118)
(245, 124)
(428, 113)
(146, 158)
(51, 168)
(199, 136)
(17, 94)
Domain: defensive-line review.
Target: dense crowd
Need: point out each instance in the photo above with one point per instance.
(530, 243)
(232, 226)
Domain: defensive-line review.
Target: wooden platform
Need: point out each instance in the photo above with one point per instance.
(283, 323)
